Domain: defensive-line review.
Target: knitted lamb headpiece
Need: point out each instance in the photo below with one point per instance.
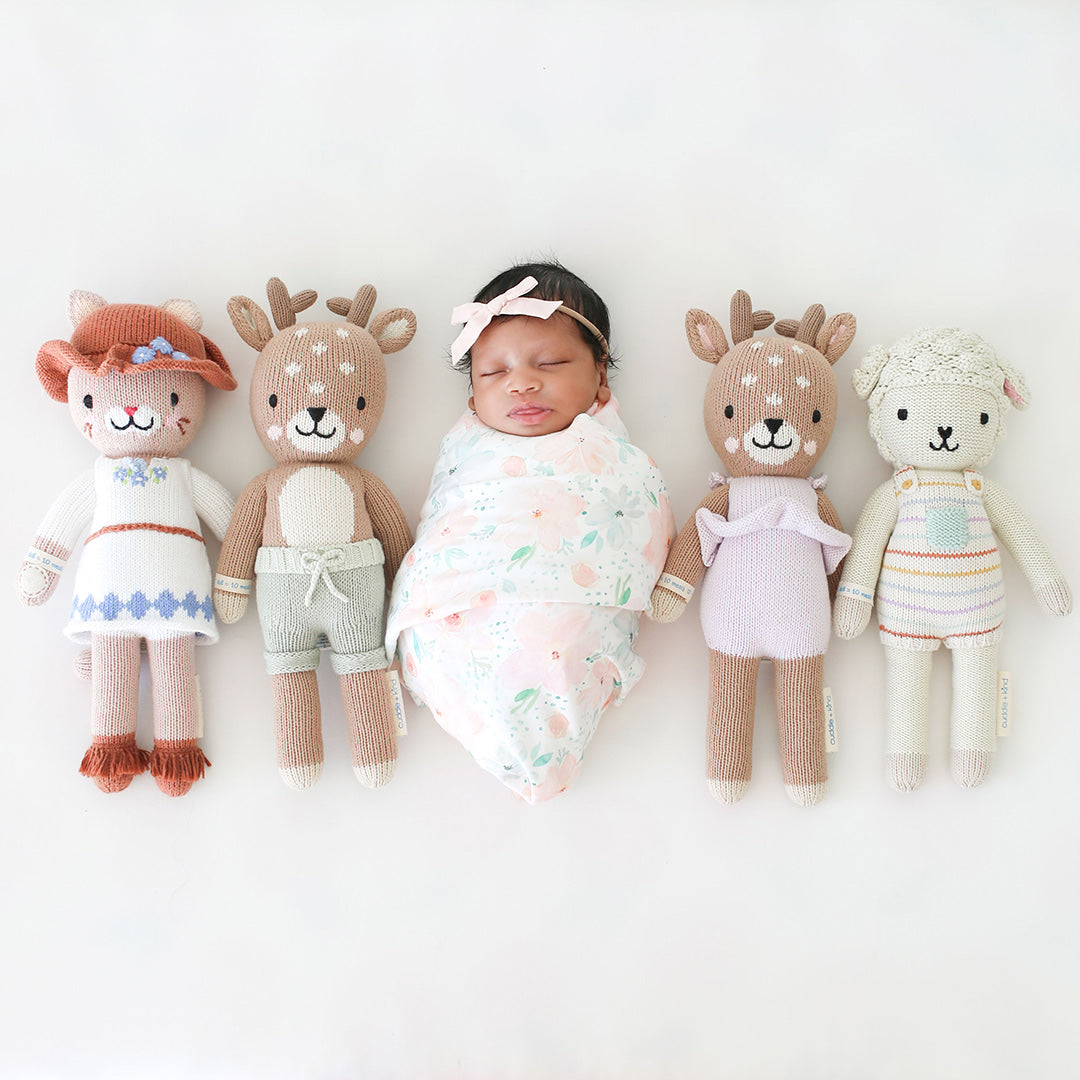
(948, 357)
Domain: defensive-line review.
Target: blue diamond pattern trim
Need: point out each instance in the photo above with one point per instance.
(111, 607)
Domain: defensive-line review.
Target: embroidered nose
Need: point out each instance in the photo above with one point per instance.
(773, 425)
(316, 414)
(944, 432)
(131, 410)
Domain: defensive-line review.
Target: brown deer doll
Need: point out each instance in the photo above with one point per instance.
(766, 539)
(323, 537)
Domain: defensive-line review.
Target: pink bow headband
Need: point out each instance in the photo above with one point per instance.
(512, 302)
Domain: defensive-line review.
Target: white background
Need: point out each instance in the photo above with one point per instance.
(915, 165)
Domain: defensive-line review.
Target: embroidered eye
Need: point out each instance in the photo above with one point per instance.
(174, 400)
(901, 414)
(729, 411)
(817, 416)
(272, 401)
(984, 418)
(88, 401)
(360, 402)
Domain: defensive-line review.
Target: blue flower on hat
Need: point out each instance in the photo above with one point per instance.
(158, 347)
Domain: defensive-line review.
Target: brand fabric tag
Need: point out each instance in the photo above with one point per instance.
(397, 701)
(832, 738)
(1004, 724)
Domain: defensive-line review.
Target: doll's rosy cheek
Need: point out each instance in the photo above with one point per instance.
(274, 432)
(731, 444)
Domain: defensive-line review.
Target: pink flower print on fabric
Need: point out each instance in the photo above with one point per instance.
(583, 574)
(541, 517)
(602, 687)
(514, 466)
(661, 523)
(547, 656)
(453, 528)
(556, 780)
(573, 452)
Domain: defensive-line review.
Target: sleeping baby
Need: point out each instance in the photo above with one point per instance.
(544, 531)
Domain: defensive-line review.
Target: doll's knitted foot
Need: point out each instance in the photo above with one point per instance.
(727, 792)
(807, 794)
(112, 761)
(970, 767)
(299, 777)
(373, 776)
(906, 771)
(175, 764)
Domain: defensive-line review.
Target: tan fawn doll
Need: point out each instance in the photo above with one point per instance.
(926, 547)
(767, 540)
(134, 377)
(322, 536)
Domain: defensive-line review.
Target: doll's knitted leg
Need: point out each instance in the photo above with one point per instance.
(176, 761)
(973, 731)
(113, 758)
(800, 716)
(730, 732)
(370, 717)
(298, 727)
(907, 732)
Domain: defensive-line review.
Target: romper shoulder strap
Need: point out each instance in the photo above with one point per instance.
(973, 481)
(905, 481)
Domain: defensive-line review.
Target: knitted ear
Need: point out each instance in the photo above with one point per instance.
(1013, 386)
(250, 321)
(705, 335)
(865, 377)
(393, 329)
(81, 303)
(835, 336)
(185, 311)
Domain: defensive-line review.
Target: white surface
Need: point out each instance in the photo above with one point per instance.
(916, 166)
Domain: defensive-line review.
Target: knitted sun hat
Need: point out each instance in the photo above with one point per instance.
(130, 337)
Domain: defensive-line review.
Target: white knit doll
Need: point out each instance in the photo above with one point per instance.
(926, 545)
(134, 379)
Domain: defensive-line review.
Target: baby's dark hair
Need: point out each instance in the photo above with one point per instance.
(553, 282)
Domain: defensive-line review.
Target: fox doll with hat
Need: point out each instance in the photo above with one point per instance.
(134, 379)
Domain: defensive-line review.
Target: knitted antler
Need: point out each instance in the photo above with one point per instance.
(807, 328)
(284, 307)
(744, 320)
(359, 309)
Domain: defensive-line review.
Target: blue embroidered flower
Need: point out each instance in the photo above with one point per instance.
(180, 356)
(120, 474)
(158, 473)
(143, 355)
(159, 344)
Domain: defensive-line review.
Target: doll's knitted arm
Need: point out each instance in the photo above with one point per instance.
(388, 523)
(684, 567)
(55, 540)
(236, 564)
(858, 582)
(827, 513)
(213, 503)
(1026, 546)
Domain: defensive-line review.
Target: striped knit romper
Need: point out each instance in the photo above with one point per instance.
(941, 577)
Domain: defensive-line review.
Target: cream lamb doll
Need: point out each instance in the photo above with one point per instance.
(134, 377)
(926, 545)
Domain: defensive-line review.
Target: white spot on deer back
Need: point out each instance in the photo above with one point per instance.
(346, 368)
(749, 379)
(301, 331)
(802, 380)
(774, 399)
(797, 349)
(292, 370)
(342, 332)
(319, 348)
(317, 388)
(316, 508)
(776, 359)
(757, 345)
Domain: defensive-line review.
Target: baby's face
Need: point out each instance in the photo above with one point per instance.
(533, 376)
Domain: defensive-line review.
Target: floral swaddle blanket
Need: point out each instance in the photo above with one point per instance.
(516, 610)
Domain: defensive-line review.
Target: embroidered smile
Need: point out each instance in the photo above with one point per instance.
(316, 417)
(945, 432)
(131, 424)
